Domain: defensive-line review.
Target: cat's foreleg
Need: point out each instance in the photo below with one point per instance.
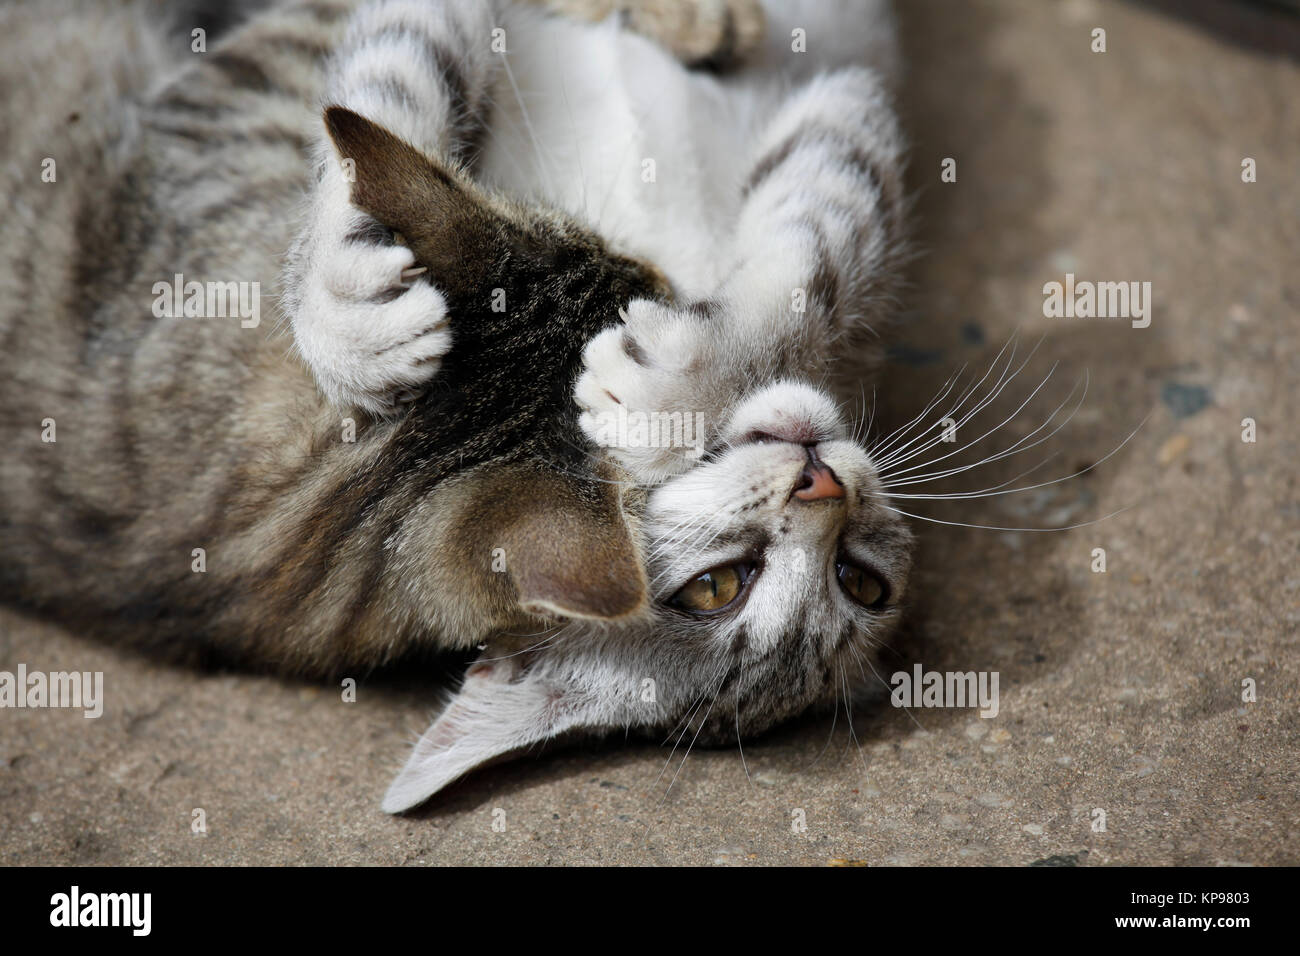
(819, 244)
(822, 231)
(371, 327)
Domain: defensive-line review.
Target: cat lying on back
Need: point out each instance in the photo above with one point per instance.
(433, 477)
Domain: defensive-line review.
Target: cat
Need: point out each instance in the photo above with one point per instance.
(480, 272)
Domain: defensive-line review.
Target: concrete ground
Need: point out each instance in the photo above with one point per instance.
(1120, 691)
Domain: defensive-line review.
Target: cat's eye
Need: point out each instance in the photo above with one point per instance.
(713, 590)
(865, 587)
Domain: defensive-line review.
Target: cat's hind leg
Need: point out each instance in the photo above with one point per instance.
(716, 34)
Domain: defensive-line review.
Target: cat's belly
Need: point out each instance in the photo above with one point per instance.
(613, 130)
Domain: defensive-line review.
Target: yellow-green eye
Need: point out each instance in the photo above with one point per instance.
(713, 590)
(860, 584)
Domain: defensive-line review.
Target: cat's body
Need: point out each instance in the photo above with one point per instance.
(175, 434)
(342, 522)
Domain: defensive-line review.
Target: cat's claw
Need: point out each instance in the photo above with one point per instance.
(371, 329)
(647, 392)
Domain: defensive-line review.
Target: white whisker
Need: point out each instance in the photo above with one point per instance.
(1011, 451)
(892, 468)
(985, 527)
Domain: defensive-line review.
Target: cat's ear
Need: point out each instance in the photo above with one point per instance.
(501, 708)
(449, 225)
(568, 552)
(574, 559)
(565, 544)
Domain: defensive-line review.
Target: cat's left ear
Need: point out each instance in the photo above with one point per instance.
(502, 707)
(450, 225)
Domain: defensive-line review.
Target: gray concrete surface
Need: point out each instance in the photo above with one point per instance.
(1120, 691)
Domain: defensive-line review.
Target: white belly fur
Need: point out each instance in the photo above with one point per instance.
(605, 112)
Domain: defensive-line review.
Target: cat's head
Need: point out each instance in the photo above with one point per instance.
(774, 573)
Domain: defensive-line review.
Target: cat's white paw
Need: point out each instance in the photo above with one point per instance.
(370, 325)
(649, 390)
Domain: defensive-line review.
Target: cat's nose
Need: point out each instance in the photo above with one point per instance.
(817, 482)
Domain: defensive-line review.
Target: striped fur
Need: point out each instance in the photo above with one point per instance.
(354, 475)
(178, 434)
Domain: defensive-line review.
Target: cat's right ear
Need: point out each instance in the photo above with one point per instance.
(568, 550)
(449, 225)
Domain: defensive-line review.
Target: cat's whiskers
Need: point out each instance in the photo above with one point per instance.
(1012, 450)
(883, 445)
(687, 529)
(639, 123)
(684, 719)
(906, 452)
(542, 167)
(881, 450)
(985, 527)
(830, 735)
(1010, 481)
(883, 683)
(892, 468)
(689, 747)
(862, 424)
(853, 731)
(496, 111)
(741, 746)
(552, 635)
(717, 686)
(848, 714)
(880, 447)
(716, 524)
(994, 492)
(722, 522)
(1009, 452)
(895, 477)
(577, 139)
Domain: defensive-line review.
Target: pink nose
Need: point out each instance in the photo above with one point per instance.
(816, 481)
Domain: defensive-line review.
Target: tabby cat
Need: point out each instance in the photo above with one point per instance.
(487, 231)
